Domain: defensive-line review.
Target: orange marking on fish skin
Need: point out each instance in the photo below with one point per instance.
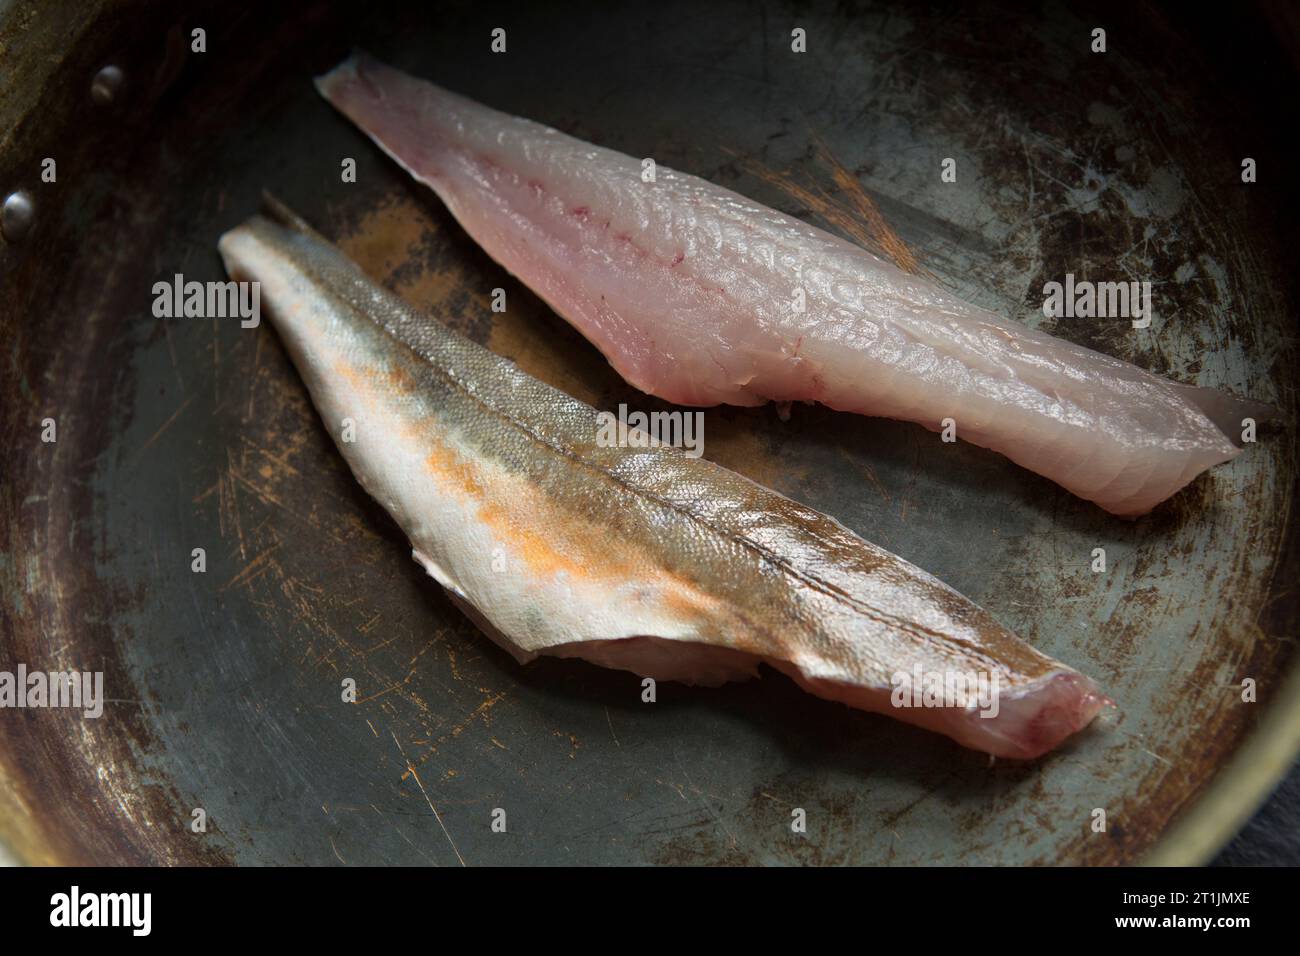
(506, 518)
(569, 545)
(352, 374)
(399, 378)
(365, 378)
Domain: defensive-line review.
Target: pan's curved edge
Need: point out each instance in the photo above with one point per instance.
(1238, 789)
(1241, 785)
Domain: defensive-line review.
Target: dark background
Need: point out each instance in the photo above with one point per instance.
(1272, 837)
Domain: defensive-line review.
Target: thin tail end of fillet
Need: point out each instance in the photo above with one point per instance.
(1228, 414)
(326, 81)
(1028, 721)
(1227, 411)
(350, 69)
(277, 211)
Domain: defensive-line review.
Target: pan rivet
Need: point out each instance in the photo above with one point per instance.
(16, 217)
(106, 84)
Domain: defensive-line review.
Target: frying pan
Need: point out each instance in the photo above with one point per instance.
(224, 686)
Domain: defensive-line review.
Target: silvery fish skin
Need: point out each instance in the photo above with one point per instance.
(689, 290)
(643, 559)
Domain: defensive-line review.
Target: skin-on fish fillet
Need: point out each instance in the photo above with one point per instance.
(690, 291)
(643, 559)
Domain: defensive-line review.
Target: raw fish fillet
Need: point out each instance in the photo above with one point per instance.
(643, 559)
(689, 290)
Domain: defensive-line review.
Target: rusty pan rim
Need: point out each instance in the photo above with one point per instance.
(1239, 788)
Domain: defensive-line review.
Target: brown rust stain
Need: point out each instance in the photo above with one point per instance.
(480, 714)
(415, 249)
(850, 210)
(386, 237)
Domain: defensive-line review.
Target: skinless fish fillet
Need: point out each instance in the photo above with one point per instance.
(689, 290)
(643, 559)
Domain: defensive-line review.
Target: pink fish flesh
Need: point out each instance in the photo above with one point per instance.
(689, 290)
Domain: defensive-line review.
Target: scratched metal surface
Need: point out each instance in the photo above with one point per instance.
(176, 434)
